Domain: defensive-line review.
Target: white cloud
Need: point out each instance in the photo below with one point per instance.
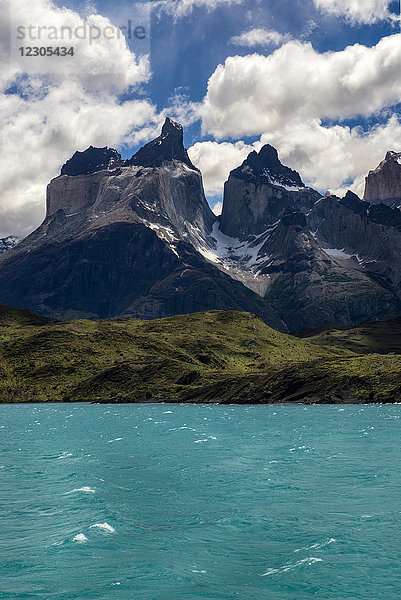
(326, 157)
(285, 97)
(260, 37)
(357, 11)
(102, 58)
(254, 94)
(216, 161)
(183, 8)
(45, 118)
(331, 157)
(218, 208)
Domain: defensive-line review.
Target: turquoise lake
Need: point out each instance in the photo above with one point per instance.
(172, 502)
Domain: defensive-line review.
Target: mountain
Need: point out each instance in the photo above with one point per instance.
(137, 238)
(121, 238)
(366, 237)
(269, 237)
(8, 243)
(383, 185)
(258, 192)
(215, 356)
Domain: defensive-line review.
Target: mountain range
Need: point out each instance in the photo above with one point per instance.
(137, 238)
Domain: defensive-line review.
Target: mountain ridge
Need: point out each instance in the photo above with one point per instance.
(137, 238)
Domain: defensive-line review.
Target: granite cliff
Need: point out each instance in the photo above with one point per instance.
(383, 185)
(137, 238)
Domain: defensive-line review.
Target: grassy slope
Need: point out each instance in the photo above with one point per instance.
(382, 337)
(205, 357)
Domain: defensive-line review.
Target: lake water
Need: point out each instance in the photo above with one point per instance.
(168, 502)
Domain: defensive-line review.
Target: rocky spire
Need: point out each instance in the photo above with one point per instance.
(168, 146)
(384, 183)
(266, 167)
(258, 192)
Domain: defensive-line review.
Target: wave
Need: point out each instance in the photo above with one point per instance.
(64, 455)
(104, 527)
(305, 561)
(317, 545)
(85, 488)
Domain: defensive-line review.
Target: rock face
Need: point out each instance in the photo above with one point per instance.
(125, 242)
(258, 192)
(137, 238)
(168, 146)
(287, 243)
(383, 185)
(90, 161)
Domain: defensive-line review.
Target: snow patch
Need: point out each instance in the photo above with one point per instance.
(286, 184)
(232, 253)
(166, 234)
(336, 253)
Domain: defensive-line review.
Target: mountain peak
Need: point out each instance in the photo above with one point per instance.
(384, 183)
(171, 127)
(168, 146)
(392, 155)
(265, 167)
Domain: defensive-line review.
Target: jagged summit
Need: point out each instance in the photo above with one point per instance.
(392, 155)
(266, 166)
(384, 183)
(91, 160)
(168, 146)
(258, 192)
(137, 238)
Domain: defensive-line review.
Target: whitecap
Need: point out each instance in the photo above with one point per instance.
(64, 455)
(168, 412)
(104, 527)
(305, 561)
(317, 545)
(85, 488)
(81, 538)
(199, 441)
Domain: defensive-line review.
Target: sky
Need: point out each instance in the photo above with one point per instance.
(318, 79)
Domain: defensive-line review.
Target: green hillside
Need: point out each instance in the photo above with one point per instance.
(216, 356)
(383, 337)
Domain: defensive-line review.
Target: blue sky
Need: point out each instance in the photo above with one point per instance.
(318, 79)
(185, 51)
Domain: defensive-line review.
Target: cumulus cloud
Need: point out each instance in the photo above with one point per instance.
(336, 158)
(286, 97)
(218, 208)
(333, 158)
(260, 37)
(358, 11)
(183, 8)
(254, 94)
(216, 161)
(45, 117)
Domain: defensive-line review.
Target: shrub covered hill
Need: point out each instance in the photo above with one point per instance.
(213, 356)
